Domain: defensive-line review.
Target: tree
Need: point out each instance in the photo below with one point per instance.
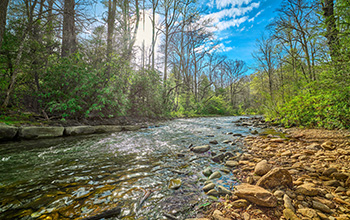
(331, 28)
(69, 43)
(3, 14)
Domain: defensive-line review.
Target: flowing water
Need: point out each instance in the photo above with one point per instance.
(76, 177)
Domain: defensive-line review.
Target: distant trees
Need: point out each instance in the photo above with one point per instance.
(302, 62)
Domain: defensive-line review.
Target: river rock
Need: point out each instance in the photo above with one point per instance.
(328, 145)
(276, 177)
(334, 183)
(174, 184)
(347, 183)
(213, 142)
(231, 163)
(254, 132)
(307, 212)
(131, 127)
(40, 132)
(320, 206)
(217, 215)
(223, 191)
(262, 168)
(207, 171)
(290, 215)
(240, 203)
(237, 135)
(288, 203)
(208, 187)
(339, 176)
(201, 149)
(107, 129)
(278, 193)
(218, 158)
(256, 195)
(79, 130)
(215, 175)
(307, 189)
(213, 192)
(7, 132)
(329, 171)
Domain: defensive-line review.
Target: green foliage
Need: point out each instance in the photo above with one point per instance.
(146, 94)
(323, 108)
(72, 89)
(216, 106)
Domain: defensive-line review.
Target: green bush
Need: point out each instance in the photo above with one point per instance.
(327, 109)
(72, 88)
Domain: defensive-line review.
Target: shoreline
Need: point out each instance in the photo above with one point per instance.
(303, 176)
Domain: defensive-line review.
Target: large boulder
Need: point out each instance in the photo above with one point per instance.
(256, 195)
(40, 132)
(79, 130)
(7, 132)
(107, 129)
(276, 177)
(262, 168)
(200, 149)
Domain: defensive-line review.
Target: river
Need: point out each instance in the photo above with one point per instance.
(76, 177)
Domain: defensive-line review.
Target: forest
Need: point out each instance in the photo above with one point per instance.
(59, 62)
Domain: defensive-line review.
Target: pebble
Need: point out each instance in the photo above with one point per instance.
(215, 175)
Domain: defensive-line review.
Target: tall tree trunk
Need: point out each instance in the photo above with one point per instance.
(112, 4)
(69, 44)
(331, 28)
(3, 14)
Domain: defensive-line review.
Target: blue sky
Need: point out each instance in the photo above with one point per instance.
(239, 23)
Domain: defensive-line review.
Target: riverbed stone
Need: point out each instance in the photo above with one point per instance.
(79, 130)
(231, 163)
(328, 145)
(201, 149)
(240, 203)
(208, 187)
(40, 132)
(276, 177)
(307, 212)
(215, 175)
(262, 168)
(307, 189)
(213, 192)
(207, 171)
(256, 195)
(329, 171)
(217, 215)
(7, 132)
(213, 142)
(339, 176)
(107, 128)
(290, 215)
(131, 127)
(218, 158)
(320, 206)
(288, 202)
(223, 191)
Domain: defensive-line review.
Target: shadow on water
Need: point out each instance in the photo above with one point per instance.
(76, 177)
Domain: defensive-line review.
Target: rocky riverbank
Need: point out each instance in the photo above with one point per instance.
(298, 174)
(39, 129)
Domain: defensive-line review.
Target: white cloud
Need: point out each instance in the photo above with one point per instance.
(227, 17)
(220, 4)
(257, 14)
(231, 23)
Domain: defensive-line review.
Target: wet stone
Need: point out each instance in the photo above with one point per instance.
(215, 175)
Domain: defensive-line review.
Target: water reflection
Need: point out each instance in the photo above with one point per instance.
(76, 177)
